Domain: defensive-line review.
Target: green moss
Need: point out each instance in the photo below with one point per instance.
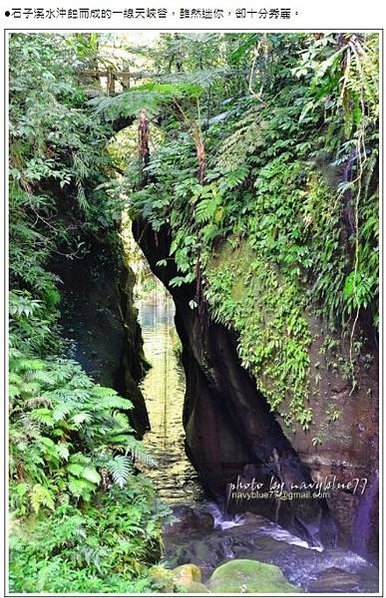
(186, 574)
(267, 313)
(248, 576)
(290, 262)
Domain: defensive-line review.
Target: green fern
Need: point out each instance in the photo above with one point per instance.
(150, 96)
(120, 468)
(57, 406)
(140, 455)
(109, 399)
(41, 496)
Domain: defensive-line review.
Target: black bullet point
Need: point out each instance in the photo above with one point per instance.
(7, 13)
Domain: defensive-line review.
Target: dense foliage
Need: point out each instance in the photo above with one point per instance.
(263, 165)
(269, 161)
(82, 517)
(99, 549)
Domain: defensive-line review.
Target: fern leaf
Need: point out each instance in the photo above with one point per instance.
(115, 402)
(63, 450)
(91, 474)
(81, 418)
(75, 469)
(140, 455)
(80, 487)
(43, 415)
(120, 469)
(40, 495)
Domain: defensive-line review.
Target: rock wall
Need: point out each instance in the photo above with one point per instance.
(230, 430)
(99, 320)
(343, 440)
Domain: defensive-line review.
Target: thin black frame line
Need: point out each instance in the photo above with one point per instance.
(254, 29)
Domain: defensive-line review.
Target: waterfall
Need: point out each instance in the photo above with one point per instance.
(362, 525)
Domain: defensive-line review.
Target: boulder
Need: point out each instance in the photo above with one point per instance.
(249, 576)
(186, 577)
(188, 520)
(162, 578)
(197, 588)
(186, 574)
(335, 579)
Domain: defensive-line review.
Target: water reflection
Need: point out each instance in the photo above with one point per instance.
(164, 389)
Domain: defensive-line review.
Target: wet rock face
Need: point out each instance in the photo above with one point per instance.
(345, 423)
(99, 321)
(230, 430)
(188, 520)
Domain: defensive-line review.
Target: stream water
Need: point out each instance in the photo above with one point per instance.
(163, 388)
(362, 525)
(250, 536)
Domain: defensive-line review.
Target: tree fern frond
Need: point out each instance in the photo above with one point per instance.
(121, 422)
(120, 468)
(136, 449)
(42, 415)
(110, 400)
(83, 417)
(41, 495)
(150, 96)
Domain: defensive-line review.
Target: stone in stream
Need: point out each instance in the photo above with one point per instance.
(210, 550)
(185, 577)
(189, 520)
(186, 574)
(334, 577)
(254, 539)
(197, 588)
(162, 578)
(248, 576)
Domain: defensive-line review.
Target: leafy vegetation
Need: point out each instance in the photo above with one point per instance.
(104, 548)
(55, 410)
(83, 519)
(263, 166)
(289, 152)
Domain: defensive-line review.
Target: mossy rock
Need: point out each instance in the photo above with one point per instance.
(197, 588)
(186, 574)
(247, 576)
(162, 578)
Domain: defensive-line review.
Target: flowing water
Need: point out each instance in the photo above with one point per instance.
(250, 536)
(163, 389)
(362, 526)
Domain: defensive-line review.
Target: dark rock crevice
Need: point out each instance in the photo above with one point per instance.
(99, 320)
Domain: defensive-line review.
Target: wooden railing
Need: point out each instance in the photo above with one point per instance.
(108, 78)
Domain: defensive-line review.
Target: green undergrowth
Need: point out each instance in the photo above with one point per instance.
(83, 518)
(107, 546)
